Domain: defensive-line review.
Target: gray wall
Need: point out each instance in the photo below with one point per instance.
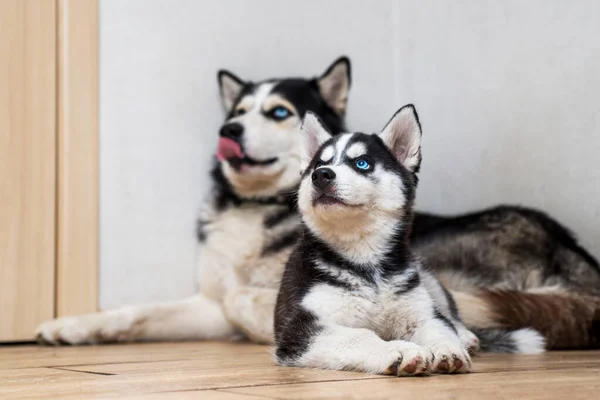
(508, 93)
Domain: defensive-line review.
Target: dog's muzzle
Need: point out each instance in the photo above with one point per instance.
(230, 148)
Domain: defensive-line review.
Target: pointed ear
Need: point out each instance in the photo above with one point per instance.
(402, 135)
(312, 136)
(230, 87)
(334, 85)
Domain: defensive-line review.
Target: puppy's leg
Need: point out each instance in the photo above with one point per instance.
(446, 305)
(441, 338)
(196, 318)
(355, 349)
(251, 310)
(421, 322)
(468, 339)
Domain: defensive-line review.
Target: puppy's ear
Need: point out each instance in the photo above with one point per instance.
(402, 135)
(334, 85)
(312, 136)
(230, 87)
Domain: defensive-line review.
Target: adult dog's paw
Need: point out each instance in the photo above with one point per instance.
(84, 329)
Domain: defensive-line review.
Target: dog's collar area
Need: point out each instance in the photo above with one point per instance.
(225, 195)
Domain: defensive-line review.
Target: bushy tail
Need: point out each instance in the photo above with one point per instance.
(520, 341)
(564, 320)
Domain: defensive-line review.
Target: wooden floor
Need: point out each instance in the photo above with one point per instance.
(243, 371)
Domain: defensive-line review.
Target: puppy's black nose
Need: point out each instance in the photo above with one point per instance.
(322, 177)
(232, 131)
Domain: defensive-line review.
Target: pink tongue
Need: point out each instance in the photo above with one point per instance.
(228, 149)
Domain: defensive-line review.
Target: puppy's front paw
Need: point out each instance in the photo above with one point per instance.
(411, 360)
(450, 359)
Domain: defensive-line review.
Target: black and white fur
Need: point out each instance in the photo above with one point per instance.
(247, 227)
(507, 267)
(353, 295)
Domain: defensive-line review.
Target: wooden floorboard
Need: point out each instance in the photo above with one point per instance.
(224, 371)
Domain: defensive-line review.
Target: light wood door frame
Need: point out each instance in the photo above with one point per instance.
(48, 162)
(27, 165)
(77, 158)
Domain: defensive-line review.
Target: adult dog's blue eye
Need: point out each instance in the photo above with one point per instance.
(280, 113)
(362, 164)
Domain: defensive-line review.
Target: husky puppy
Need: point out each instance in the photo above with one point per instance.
(353, 294)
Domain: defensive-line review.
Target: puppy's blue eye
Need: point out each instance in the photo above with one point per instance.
(280, 113)
(362, 164)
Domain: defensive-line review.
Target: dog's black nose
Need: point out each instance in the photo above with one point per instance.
(232, 131)
(322, 177)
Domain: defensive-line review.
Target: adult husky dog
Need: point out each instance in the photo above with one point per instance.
(507, 267)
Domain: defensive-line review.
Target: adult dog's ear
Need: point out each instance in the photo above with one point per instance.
(402, 135)
(334, 85)
(230, 87)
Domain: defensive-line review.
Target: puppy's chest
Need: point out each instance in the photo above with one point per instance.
(375, 307)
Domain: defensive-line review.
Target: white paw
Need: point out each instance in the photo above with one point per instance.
(450, 358)
(85, 329)
(411, 359)
(468, 340)
(67, 330)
